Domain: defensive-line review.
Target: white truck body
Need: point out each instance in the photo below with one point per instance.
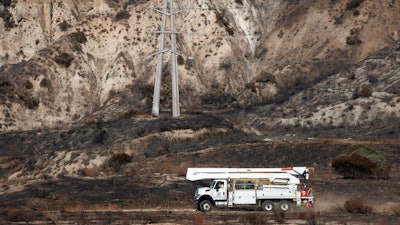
(268, 188)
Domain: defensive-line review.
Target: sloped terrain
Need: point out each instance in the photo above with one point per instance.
(77, 58)
(273, 84)
(365, 94)
(54, 173)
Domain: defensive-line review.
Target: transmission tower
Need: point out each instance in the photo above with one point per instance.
(167, 12)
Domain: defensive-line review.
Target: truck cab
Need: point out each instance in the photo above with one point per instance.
(215, 194)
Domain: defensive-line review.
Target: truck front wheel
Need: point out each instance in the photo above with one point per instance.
(205, 206)
(267, 205)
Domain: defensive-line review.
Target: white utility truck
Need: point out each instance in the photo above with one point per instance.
(268, 188)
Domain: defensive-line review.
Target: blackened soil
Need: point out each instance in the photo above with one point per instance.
(156, 181)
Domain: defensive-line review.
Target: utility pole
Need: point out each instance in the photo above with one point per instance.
(175, 84)
(168, 4)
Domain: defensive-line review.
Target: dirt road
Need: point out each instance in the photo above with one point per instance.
(190, 216)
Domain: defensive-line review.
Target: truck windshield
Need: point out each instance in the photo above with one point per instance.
(212, 184)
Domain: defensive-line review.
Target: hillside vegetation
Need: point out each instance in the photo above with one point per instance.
(272, 84)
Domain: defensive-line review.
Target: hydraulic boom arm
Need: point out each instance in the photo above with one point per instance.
(292, 174)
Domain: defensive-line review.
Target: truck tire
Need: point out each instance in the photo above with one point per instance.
(284, 205)
(205, 206)
(267, 205)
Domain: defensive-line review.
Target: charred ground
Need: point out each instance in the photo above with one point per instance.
(39, 181)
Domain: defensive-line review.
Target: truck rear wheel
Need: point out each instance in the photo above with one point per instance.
(284, 205)
(267, 205)
(205, 206)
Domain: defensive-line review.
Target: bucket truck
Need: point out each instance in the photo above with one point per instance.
(267, 188)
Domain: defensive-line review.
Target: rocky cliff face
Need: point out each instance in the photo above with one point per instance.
(63, 61)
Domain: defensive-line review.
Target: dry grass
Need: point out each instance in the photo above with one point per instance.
(357, 205)
(396, 210)
(308, 215)
(279, 216)
(390, 208)
(133, 113)
(118, 160)
(161, 167)
(257, 219)
(89, 171)
(16, 214)
(80, 206)
(198, 219)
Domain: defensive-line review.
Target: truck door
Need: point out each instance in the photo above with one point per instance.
(244, 192)
(219, 192)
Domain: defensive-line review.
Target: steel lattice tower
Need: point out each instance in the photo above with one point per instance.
(167, 12)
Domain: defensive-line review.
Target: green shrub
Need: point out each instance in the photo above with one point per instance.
(371, 153)
(361, 162)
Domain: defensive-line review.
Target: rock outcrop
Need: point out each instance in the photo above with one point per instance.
(63, 61)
